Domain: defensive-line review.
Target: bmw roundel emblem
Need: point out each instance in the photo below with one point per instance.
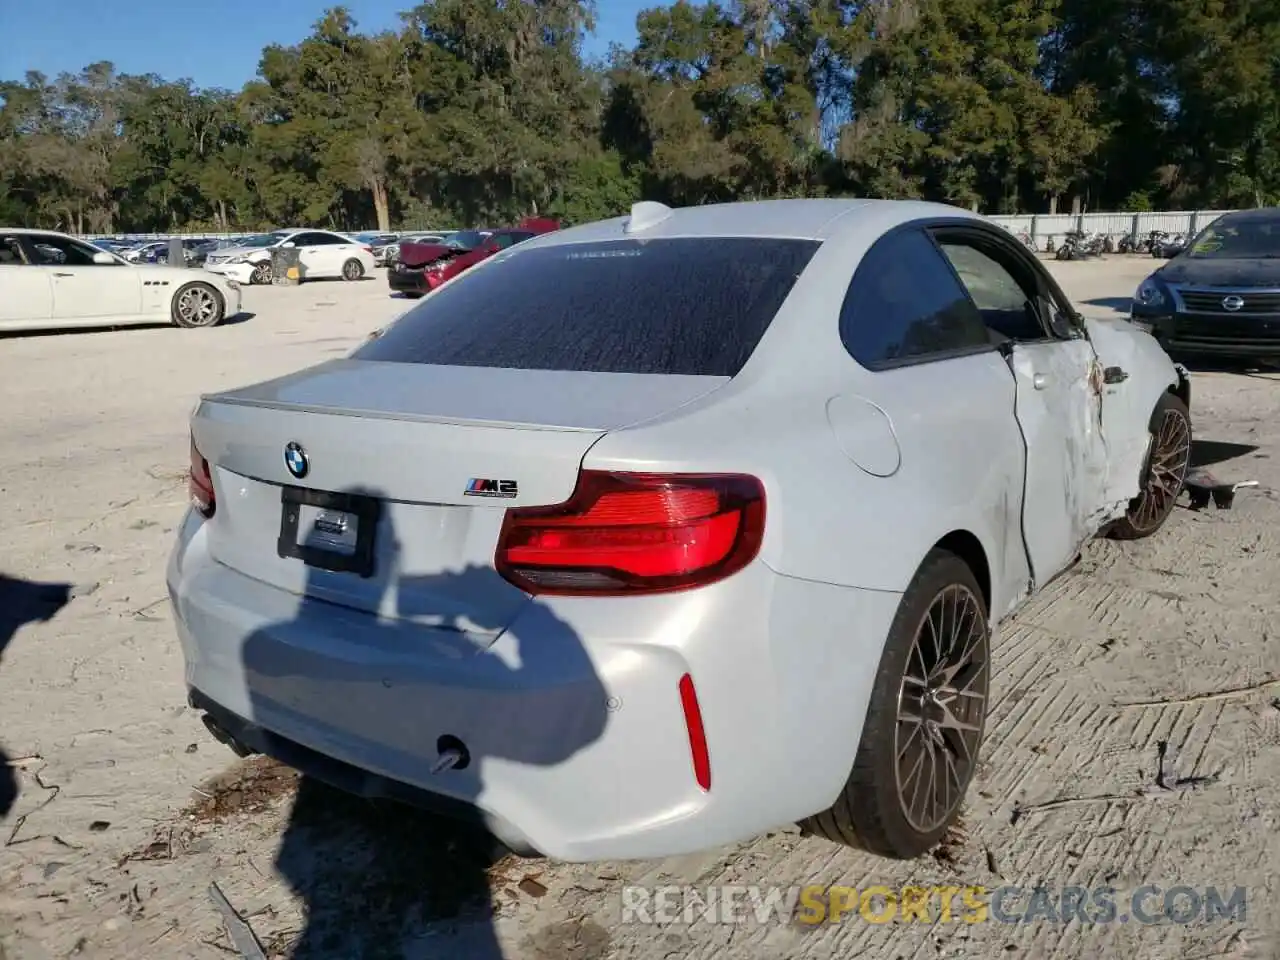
(295, 458)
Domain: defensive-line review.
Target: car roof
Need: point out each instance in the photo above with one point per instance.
(31, 230)
(808, 219)
(1264, 214)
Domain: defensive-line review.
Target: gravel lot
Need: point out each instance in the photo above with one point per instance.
(128, 811)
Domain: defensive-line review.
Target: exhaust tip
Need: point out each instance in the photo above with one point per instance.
(222, 736)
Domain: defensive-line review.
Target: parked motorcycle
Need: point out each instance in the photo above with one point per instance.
(1167, 245)
(1079, 245)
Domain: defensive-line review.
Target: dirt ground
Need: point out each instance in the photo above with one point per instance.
(1133, 738)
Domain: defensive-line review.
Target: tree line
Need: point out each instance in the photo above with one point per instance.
(482, 112)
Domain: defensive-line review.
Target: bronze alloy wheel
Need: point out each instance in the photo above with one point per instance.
(1170, 457)
(941, 709)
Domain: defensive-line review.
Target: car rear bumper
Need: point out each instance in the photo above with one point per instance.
(231, 296)
(1218, 336)
(571, 718)
(407, 280)
(412, 279)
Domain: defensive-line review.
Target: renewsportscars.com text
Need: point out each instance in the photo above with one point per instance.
(813, 904)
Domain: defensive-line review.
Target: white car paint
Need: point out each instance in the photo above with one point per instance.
(108, 293)
(1021, 446)
(322, 253)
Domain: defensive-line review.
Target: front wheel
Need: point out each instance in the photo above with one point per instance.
(261, 273)
(353, 269)
(919, 747)
(197, 305)
(1165, 473)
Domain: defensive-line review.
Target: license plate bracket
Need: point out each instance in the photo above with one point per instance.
(342, 554)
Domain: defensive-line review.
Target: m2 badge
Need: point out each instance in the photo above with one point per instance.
(481, 487)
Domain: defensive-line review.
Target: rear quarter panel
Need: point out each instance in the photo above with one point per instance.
(1127, 406)
(829, 520)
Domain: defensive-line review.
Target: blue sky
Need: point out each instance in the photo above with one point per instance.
(216, 43)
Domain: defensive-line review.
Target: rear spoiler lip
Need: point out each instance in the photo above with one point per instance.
(235, 401)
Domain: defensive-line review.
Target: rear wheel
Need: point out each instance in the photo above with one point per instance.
(353, 269)
(1165, 473)
(197, 305)
(924, 726)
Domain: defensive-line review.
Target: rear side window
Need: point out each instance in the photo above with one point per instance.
(691, 306)
(11, 251)
(505, 240)
(905, 305)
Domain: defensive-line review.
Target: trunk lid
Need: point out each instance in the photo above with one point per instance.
(417, 254)
(442, 451)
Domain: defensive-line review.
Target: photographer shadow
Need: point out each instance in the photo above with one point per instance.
(383, 878)
(23, 602)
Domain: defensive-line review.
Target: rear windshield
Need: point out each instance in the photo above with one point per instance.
(694, 307)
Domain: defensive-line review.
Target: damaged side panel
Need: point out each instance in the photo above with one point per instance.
(1059, 409)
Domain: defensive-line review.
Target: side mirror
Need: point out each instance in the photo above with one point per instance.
(1061, 324)
(105, 259)
(288, 245)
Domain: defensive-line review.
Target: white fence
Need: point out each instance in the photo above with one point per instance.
(1049, 226)
(1041, 226)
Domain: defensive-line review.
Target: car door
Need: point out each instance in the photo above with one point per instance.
(319, 253)
(26, 293)
(84, 291)
(1059, 396)
(341, 249)
(310, 256)
(936, 420)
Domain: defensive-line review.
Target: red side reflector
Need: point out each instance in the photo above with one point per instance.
(628, 533)
(697, 734)
(200, 484)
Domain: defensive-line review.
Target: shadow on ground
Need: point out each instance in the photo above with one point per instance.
(243, 316)
(1118, 304)
(378, 877)
(1205, 453)
(23, 602)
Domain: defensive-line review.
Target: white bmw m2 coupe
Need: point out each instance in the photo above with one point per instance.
(652, 534)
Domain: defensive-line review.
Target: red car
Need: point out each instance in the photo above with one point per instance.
(424, 266)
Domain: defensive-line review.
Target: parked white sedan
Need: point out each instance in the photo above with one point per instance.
(706, 535)
(50, 280)
(322, 253)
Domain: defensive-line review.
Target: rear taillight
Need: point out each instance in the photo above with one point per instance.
(200, 484)
(629, 533)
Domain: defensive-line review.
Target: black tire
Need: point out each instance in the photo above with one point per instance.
(1164, 473)
(869, 813)
(353, 269)
(197, 305)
